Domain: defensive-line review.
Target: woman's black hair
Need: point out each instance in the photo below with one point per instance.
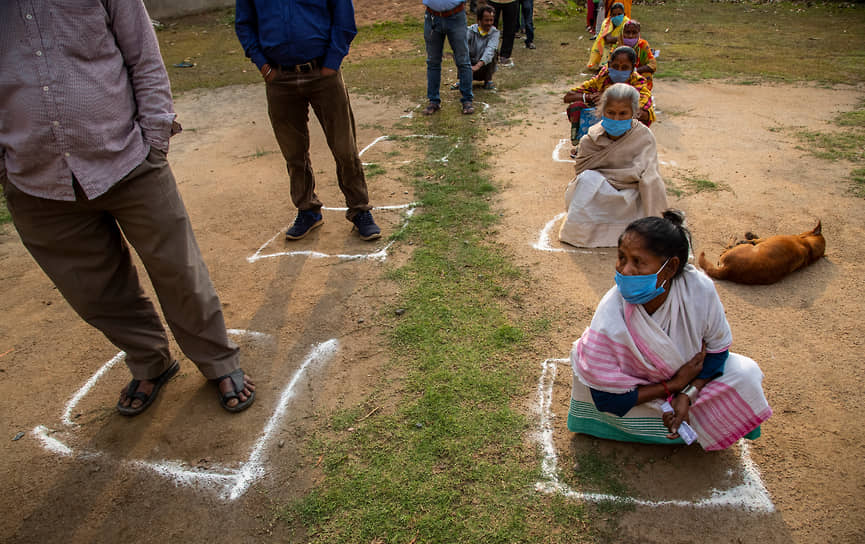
(665, 236)
(624, 50)
(483, 9)
(617, 5)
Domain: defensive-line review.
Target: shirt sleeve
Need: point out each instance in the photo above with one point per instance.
(342, 31)
(713, 365)
(137, 42)
(614, 403)
(246, 28)
(593, 84)
(490, 50)
(645, 95)
(650, 57)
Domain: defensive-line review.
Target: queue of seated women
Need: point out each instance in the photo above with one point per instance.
(655, 360)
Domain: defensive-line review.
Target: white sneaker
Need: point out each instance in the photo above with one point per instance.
(506, 62)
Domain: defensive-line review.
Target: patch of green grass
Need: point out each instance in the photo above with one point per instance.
(373, 169)
(699, 184)
(4, 213)
(700, 39)
(599, 472)
(386, 31)
(846, 142)
(260, 153)
(673, 189)
(209, 41)
(450, 462)
(857, 176)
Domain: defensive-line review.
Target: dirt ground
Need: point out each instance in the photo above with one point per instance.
(805, 331)
(234, 184)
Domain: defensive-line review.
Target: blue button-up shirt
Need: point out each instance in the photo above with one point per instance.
(442, 5)
(289, 32)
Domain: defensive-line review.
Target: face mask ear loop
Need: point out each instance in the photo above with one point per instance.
(662, 267)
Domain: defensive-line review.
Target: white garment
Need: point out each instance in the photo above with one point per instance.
(597, 212)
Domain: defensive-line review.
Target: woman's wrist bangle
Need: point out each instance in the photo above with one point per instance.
(691, 392)
(666, 390)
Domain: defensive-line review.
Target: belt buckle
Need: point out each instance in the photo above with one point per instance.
(304, 68)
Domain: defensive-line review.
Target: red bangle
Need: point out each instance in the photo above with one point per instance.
(666, 390)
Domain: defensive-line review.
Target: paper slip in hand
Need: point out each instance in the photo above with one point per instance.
(685, 430)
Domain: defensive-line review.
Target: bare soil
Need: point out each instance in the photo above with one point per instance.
(235, 187)
(805, 331)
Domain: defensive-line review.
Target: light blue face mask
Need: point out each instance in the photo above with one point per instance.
(640, 289)
(619, 76)
(615, 128)
(617, 20)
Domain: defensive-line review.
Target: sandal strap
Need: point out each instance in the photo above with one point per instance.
(132, 392)
(237, 384)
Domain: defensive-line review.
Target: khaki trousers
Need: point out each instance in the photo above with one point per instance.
(289, 96)
(80, 247)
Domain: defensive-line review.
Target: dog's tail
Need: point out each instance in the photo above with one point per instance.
(719, 273)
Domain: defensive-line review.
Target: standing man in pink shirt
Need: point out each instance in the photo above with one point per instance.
(85, 118)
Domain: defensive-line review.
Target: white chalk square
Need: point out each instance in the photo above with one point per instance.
(751, 494)
(228, 480)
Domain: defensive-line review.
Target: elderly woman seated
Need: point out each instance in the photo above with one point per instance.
(583, 98)
(618, 179)
(660, 333)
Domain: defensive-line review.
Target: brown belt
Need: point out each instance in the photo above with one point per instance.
(304, 68)
(447, 13)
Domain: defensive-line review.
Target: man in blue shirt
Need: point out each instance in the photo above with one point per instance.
(446, 18)
(298, 47)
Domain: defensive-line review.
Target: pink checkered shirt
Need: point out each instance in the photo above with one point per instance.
(83, 93)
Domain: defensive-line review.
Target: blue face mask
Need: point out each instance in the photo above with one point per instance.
(640, 289)
(615, 128)
(617, 20)
(619, 76)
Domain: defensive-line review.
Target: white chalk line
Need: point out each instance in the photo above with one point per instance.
(543, 243)
(229, 483)
(253, 468)
(76, 398)
(379, 255)
(448, 154)
(410, 113)
(751, 494)
(425, 136)
(50, 443)
(557, 151)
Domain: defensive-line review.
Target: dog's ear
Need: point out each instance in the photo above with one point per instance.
(818, 229)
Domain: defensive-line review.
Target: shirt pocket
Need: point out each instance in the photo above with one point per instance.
(82, 28)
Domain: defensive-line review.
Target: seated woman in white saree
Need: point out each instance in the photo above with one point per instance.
(661, 334)
(618, 179)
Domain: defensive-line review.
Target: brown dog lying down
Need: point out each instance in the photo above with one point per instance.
(764, 261)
